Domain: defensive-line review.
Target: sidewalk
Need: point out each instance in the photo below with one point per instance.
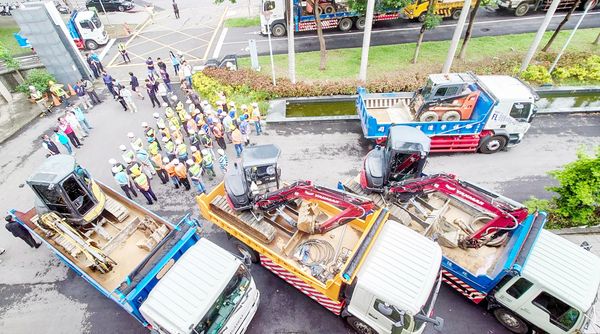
(15, 115)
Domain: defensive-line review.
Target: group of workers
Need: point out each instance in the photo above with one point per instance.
(180, 148)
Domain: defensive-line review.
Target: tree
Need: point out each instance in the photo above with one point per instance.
(322, 46)
(469, 32)
(218, 2)
(430, 21)
(9, 61)
(560, 25)
(597, 41)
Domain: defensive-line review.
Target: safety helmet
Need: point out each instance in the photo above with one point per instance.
(112, 161)
(231, 104)
(205, 103)
(144, 124)
(204, 152)
(188, 101)
(130, 134)
(173, 128)
(156, 115)
(175, 161)
(178, 141)
(220, 151)
(166, 160)
(165, 139)
(254, 104)
(244, 107)
(174, 97)
(123, 148)
(193, 148)
(189, 162)
(115, 170)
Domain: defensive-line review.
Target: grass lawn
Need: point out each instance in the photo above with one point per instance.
(8, 40)
(344, 63)
(240, 22)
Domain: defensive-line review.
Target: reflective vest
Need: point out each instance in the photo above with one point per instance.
(195, 171)
(236, 136)
(206, 141)
(170, 147)
(153, 148)
(150, 133)
(161, 123)
(119, 167)
(134, 168)
(182, 113)
(142, 181)
(176, 135)
(157, 161)
(169, 112)
(197, 157)
(170, 168)
(207, 161)
(181, 171)
(128, 156)
(181, 149)
(174, 121)
(194, 140)
(165, 133)
(191, 125)
(137, 143)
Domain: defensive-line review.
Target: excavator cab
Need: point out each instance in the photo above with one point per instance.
(403, 157)
(64, 187)
(256, 174)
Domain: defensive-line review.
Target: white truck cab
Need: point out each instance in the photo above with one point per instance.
(396, 287)
(208, 290)
(556, 292)
(90, 28)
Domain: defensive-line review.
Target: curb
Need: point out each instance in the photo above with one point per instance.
(578, 230)
(17, 129)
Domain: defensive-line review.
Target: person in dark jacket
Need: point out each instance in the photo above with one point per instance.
(151, 90)
(175, 9)
(49, 145)
(108, 81)
(19, 231)
(135, 85)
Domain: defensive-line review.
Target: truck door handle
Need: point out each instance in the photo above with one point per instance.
(372, 316)
(525, 310)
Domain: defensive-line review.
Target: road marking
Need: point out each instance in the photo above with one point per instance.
(376, 31)
(135, 34)
(220, 43)
(106, 48)
(215, 33)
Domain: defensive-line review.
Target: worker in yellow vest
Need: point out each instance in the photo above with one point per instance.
(135, 142)
(126, 154)
(150, 134)
(181, 149)
(175, 134)
(142, 182)
(196, 156)
(169, 148)
(181, 173)
(195, 172)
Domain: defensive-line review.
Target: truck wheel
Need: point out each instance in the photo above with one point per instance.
(522, 9)
(360, 23)
(278, 30)
(329, 9)
(121, 8)
(359, 326)
(429, 116)
(492, 144)
(345, 24)
(456, 14)
(511, 321)
(451, 116)
(91, 45)
(246, 251)
(421, 17)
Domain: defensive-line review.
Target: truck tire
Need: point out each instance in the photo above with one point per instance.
(246, 251)
(345, 24)
(492, 144)
(359, 326)
(451, 116)
(360, 23)
(511, 321)
(329, 9)
(91, 44)
(429, 116)
(278, 30)
(421, 17)
(522, 9)
(456, 14)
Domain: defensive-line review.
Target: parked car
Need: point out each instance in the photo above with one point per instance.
(110, 5)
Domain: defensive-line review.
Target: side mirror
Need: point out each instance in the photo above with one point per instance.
(439, 324)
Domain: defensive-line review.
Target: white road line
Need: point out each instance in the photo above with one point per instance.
(378, 31)
(220, 43)
(106, 48)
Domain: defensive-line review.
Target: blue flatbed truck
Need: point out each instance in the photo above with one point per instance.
(503, 109)
(531, 278)
(165, 275)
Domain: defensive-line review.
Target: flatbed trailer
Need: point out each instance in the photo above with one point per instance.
(487, 273)
(357, 253)
(153, 264)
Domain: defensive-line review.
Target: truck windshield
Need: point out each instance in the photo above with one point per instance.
(96, 21)
(225, 304)
(426, 91)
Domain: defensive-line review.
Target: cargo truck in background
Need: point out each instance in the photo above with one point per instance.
(493, 248)
(444, 8)
(334, 14)
(85, 28)
(377, 274)
(165, 275)
(522, 7)
(460, 112)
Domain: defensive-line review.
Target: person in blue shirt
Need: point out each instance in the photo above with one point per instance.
(108, 81)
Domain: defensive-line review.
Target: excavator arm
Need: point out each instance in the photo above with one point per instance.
(507, 216)
(353, 206)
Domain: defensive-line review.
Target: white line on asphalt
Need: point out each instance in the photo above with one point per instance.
(377, 31)
(220, 43)
(106, 48)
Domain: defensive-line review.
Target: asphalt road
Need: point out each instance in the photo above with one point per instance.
(39, 294)
(396, 32)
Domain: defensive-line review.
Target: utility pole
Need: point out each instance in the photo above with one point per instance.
(271, 54)
(364, 60)
(291, 46)
(456, 36)
(590, 5)
(538, 36)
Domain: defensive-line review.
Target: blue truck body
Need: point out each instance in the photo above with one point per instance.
(376, 129)
(138, 284)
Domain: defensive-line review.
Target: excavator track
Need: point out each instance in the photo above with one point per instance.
(259, 229)
(396, 213)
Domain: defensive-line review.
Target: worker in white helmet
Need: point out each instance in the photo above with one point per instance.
(126, 154)
(135, 142)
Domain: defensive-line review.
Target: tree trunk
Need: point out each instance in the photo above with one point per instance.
(249, 9)
(419, 42)
(463, 47)
(560, 25)
(322, 46)
(597, 41)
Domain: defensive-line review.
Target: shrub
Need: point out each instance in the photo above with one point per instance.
(537, 74)
(37, 78)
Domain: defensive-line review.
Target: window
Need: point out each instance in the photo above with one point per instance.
(81, 200)
(268, 6)
(519, 288)
(52, 198)
(561, 314)
(96, 21)
(441, 91)
(520, 110)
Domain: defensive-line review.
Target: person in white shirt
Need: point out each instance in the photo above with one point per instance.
(128, 97)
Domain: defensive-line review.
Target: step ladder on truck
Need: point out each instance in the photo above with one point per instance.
(377, 274)
(493, 248)
(164, 275)
(460, 112)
